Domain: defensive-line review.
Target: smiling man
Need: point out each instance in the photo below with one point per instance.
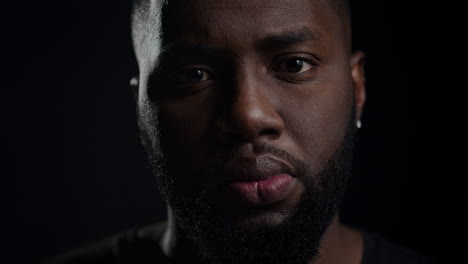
(248, 111)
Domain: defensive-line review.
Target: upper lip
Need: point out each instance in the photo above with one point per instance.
(255, 168)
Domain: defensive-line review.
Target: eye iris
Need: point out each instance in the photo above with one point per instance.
(294, 65)
(195, 75)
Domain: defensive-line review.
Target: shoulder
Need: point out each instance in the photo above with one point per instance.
(134, 246)
(378, 250)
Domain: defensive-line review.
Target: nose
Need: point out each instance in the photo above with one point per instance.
(249, 112)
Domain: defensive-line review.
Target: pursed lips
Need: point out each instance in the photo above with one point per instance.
(256, 181)
(256, 168)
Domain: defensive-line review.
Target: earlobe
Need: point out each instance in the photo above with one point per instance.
(359, 81)
(134, 86)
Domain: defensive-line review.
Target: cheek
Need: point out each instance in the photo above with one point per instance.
(317, 120)
(185, 122)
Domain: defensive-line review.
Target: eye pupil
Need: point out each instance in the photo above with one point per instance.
(294, 65)
(195, 75)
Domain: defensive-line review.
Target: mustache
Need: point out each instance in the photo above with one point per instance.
(300, 166)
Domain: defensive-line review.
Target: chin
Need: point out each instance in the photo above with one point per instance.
(260, 219)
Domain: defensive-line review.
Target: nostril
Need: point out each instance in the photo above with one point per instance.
(269, 132)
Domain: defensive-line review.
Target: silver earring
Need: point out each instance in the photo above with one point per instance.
(134, 82)
(358, 123)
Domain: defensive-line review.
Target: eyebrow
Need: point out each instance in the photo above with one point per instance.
(190, 50)
(287, 38)
(269, 42)
(182, 52)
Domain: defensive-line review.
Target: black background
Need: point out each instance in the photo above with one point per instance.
(79, 174)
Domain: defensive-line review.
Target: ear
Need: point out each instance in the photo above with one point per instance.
(134, 83)
(359, 81)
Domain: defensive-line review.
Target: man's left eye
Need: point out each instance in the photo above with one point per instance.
(295, 65)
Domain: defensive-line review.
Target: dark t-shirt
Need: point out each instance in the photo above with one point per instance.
(378, 250)
(142, 246)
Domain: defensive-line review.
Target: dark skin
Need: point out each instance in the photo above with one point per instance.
(238, 74)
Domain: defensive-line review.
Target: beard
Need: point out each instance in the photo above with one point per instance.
(296, 240)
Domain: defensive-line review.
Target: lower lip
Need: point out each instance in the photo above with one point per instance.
(263, 192)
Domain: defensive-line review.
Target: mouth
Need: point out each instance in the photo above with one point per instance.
(257, 181)
(261, 192)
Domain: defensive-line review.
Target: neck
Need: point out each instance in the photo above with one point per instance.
(340, 244)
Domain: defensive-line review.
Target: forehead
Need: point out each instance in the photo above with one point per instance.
(236, 23)
(218, 19)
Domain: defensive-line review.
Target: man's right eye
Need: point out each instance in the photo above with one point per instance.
(191, 76)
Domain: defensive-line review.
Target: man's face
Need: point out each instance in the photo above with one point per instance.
(245, 106)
